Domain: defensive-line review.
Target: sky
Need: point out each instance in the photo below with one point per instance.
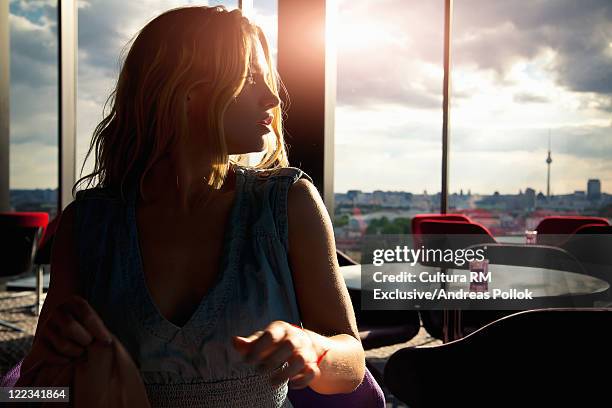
(521, 71)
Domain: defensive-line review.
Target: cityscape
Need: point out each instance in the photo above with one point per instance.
(359, 213)
(506, 216)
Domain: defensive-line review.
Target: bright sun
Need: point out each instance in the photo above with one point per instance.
(362, 34)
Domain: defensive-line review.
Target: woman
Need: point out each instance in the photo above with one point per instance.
(221, 281)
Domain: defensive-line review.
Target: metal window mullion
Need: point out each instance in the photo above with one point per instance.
(67, 77)
(246, 6)
(5, 83)
(448, 10)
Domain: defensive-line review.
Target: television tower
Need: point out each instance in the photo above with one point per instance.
(548, 162)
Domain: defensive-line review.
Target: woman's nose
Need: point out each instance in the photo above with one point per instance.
(270, 100)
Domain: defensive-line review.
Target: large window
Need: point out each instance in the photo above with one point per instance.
(33, 148)
(388, 117)
(525, 77)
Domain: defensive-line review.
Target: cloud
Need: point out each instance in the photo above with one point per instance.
(33, 54)
(33, 76)
(582, 142)
(494, 34)
(375, 91)
(105, 27)
(487, 35)
(380, 54)
(525, 97)
(33, 165)
(34, 115)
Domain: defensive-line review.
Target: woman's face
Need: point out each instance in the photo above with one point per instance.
(244, 121)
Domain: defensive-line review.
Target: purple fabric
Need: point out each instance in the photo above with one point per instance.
(367, 395)
(11, 376)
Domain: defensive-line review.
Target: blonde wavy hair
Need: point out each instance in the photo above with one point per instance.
(175, 52)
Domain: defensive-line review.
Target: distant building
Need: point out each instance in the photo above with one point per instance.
(352, 194)
(594, 189)
(530, 198)
(378, 197)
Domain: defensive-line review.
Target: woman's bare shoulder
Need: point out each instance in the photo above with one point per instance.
(322, 295)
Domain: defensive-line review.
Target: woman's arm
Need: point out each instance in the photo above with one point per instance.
(325, 305)
(327, 355)
(64, 334)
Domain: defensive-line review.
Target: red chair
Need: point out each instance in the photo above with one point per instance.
(417, 221)
(594, 229)
(20, 233)
(591, 244)
(553, 230)
(586, 229)
(467, 233)
(419, 218)
(443, 235)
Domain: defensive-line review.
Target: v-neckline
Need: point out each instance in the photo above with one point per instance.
(168, 329)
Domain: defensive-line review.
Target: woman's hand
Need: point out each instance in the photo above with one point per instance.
(66, 333)
(278, 343)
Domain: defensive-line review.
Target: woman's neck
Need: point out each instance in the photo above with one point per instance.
(180, 189)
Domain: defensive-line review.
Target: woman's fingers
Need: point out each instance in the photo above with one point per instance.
(244, 344)
(50, 354)
(302, 380)
(263, 345)
(278, 356)
(87, 316)
(277, 344)
(297, 365)
(70, 328)
(60, 344)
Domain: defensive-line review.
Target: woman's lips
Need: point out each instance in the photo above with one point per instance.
(267, 121)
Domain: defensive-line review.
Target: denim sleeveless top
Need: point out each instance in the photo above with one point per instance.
(195, 365)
